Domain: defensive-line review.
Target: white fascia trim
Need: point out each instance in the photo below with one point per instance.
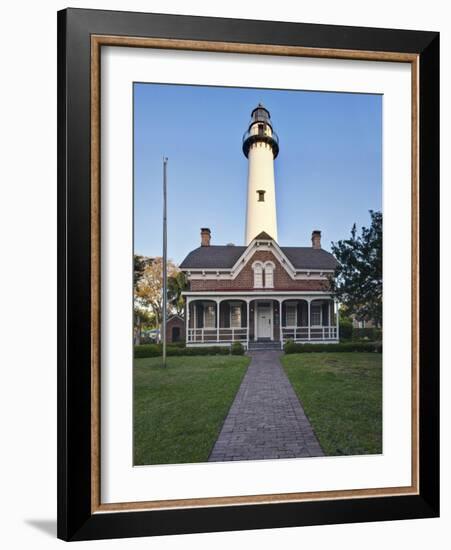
(212, 276)
(206, 270)
(314, 272)
(225, 271)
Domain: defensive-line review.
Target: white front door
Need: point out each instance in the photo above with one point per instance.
(264, 321)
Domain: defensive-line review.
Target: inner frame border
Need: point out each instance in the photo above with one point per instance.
(97, 41)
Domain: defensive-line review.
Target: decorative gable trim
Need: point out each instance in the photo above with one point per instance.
(265, 245)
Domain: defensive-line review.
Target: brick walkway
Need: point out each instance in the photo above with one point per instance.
(266, 419)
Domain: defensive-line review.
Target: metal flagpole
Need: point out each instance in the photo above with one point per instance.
(165, 264)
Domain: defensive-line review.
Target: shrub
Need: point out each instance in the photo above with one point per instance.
(178, 344)
(346, 328)
(237, 348)
(156, 350)
(290, 347)
(333, 348)
(191, 352)
(148, 350)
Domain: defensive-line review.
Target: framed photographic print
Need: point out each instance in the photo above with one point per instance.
(248, 274)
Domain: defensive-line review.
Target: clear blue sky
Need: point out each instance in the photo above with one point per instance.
(328, 172)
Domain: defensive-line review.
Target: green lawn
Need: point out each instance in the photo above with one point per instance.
(342, 396)
(179, 411)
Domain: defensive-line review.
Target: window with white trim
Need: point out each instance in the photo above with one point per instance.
(315, 315)
(235, 316)
(209, 316)
(258, 275)
(290, 315)
(269, 275)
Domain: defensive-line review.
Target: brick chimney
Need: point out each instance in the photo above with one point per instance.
(316, 239)
(205, 236)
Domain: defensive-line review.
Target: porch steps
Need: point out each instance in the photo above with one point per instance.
(264, 345)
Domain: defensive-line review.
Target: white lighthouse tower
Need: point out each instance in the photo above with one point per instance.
(261, 147)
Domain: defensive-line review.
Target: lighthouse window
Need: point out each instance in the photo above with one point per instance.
(261, 130)
(261, 196)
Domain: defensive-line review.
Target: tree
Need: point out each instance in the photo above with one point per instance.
(143, 318)
(139, 264)
(177, 283)
(357, 281)
(149, 287)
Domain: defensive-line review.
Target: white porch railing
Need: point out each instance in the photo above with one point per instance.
(214, 335)
(308, 334)
(228, 335)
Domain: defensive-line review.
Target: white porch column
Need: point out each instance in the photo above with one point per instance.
(338, 322)
(247, 323)
(195, 322)
(187, 319)
(218, 305)
(280, 322)
(308, 316)
(330, 317)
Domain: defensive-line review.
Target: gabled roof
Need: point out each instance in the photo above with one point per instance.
(225, 257)
(176, 316)
(213, 257)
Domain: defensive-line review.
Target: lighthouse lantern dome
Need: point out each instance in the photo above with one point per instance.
(260, 131)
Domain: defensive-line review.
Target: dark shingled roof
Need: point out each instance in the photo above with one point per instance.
(213, 257)
(306, 257)
(225, 257)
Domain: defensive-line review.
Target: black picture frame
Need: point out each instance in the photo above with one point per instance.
(75, 518)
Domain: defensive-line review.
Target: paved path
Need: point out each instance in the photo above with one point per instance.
(266, 419)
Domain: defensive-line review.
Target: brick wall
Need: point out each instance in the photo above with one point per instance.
(245, 279)
(179, 332)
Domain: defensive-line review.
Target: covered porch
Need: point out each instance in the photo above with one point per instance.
(222, 320)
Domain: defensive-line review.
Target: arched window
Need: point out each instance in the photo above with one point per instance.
(258, 274)
(269, 275)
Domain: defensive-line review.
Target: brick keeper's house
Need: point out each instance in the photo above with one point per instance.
(260, 294)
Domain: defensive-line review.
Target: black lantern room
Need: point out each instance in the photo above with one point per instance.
(260, 131)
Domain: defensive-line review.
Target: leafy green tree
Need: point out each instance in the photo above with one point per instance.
(143, 319)
(357, 282)
(177, 283)
(149, 288)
